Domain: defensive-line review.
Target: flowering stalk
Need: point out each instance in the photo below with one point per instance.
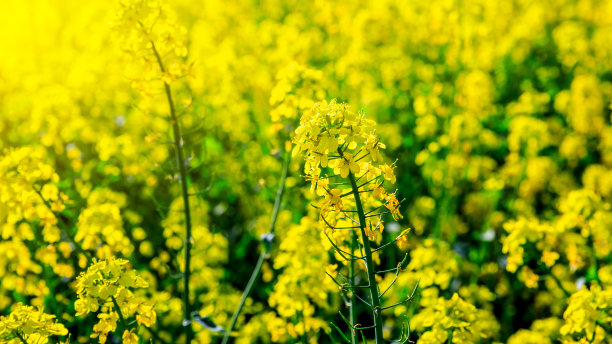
(264, 253)
(106, 289)
(180, 160)
(148, 32)
(342, 146)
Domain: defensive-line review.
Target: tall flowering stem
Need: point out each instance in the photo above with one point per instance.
(262, 256)
(180, 160)
(150, 35)
(344, 166)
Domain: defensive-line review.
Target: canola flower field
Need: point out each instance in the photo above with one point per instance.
(205, 171)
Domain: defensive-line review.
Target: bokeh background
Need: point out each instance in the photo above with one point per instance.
(497, 114)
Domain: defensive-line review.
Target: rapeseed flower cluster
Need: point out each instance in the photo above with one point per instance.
(26, 324)
(333, 137)
(454, 321)
(588, 314)
(106, 289)
(148, 32)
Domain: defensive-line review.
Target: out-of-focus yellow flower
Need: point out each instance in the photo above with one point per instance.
(587, 308)
(466, 323)
(29, 324)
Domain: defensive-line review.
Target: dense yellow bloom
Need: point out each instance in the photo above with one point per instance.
(433, 263)
(331, 136)
(106, 287)
(30, 324)
(528, 337)
(101, 225)
(587, 310)
(520, 232)
(297, 88)
(26, 183)
(454, 317)
(301, 286)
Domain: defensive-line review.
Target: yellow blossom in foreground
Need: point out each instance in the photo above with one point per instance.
(129, 337)
(587, 310)
(338, 143)
(105, 286)
(29, 324)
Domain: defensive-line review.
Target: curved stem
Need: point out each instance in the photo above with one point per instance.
(264, 253)
(180, 160)
(369, 263)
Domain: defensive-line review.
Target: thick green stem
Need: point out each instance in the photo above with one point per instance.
(353, 300)
(255, 274)
(376, 312)
(180, 160)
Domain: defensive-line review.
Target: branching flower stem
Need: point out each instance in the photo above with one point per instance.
(180, 160)
(369, 264)
(264, 252)
(79, 249)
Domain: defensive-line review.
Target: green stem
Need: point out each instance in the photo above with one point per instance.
(155, 335)
(65, 225)
(376, 313)
(450, 336)
(21, 338)
(180, 160)
(121, 318)
(264, 253)
(560, 284)
(304, 336)
(594, 333)
(353, 301)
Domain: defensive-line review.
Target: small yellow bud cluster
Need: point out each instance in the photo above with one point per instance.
(27, 324)
(148, 33)
(105, 287)
(297, 88)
